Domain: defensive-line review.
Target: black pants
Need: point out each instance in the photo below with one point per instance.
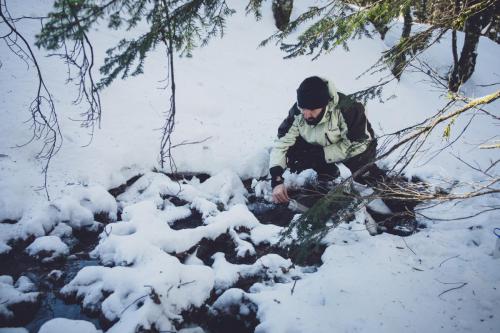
(299, 160)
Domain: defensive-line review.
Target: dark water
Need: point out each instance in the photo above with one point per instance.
(51, 305)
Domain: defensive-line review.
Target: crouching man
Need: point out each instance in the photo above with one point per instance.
(322, 128)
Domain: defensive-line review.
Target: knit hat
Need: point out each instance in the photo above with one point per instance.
(313, 93)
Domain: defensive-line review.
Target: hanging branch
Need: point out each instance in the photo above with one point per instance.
(66, 30)
(168, 127)
(44, 122)
(82, 58)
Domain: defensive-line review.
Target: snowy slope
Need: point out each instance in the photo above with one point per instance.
(236, 95)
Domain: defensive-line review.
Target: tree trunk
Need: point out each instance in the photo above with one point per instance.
(400, 61)
(454, 36)
(381, 29)
(421, 12)
(282, 9)
(463, 70)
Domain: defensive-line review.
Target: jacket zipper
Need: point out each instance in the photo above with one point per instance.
(328, 139)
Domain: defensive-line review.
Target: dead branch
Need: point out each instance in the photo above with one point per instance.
(406, 244)
(442, 262)
(168, 128)
(43, 119)
(293, 287)
(476, 168)
(491, 146)
(463, 284)
(80, 55)
(457, 218)
(185, 142)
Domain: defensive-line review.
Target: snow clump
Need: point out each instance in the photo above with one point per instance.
(48, 247)
(22, 292)
(63, 325)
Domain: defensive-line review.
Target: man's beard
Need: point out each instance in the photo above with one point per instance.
(316, 120)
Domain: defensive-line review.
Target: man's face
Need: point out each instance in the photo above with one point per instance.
(313, 116)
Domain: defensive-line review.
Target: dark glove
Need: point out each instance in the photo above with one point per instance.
(276, 176)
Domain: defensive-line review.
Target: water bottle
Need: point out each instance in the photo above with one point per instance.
(496, 250)
(296, 206)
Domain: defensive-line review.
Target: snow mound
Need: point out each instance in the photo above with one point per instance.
(145, 284)
(63, 325)
(48, 247)
(150, 292)
(224, 189)
(270, 267)
(13, 295)
(13, 330)
(75, 208)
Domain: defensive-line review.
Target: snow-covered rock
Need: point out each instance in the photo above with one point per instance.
(20, 296)
(63, 325)
(48, 248)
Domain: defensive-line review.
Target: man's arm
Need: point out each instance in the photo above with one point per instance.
(277, 162)
(278, 159)
(354, 131)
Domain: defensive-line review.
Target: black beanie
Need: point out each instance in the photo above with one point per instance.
(313, 93)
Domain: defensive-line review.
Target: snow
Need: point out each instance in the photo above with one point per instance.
(63, 325)
(51, 244)
(73, 208)
(271, 266)
(12, 294)
(236, 96)
(13, 330)
(265, 233)
(165, 276)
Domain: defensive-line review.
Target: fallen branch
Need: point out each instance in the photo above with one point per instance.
(454, 288)
(448, 259)
(185, 142)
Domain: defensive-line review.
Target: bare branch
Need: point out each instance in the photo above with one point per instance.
(44, 122)
(185, 143)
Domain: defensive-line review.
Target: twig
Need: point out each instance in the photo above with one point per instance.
(404, 240)
(128, 306)
(491, 146)
(454, 288)
(448, 259)
(457, 218)
(185, 142)
(471, 166)
(106, 230)
(168, 127)
(185, 283)
(293, 288)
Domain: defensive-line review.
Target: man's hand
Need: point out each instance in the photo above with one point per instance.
(280, 194)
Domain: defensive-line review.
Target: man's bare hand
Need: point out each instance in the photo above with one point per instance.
(280, 194)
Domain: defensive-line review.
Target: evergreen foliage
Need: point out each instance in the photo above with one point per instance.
(337, 22)
(188, 23)
(308, 230)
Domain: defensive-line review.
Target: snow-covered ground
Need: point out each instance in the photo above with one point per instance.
(236, 94)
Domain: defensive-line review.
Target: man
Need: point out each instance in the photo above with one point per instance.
(323, 127)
